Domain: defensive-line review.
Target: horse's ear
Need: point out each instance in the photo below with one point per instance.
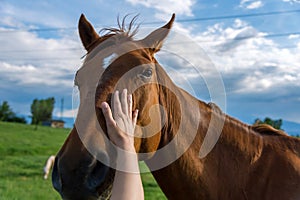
(87, 33)
(154, 40)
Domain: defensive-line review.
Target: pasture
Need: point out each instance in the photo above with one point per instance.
(23, 152)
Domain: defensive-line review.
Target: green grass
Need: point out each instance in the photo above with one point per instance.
(151, 189)
(23, 152)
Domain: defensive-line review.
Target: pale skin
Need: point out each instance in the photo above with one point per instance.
(121, 122)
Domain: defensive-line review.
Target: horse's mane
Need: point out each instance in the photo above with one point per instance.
(129, 30)
(263, 129)
(266, 129)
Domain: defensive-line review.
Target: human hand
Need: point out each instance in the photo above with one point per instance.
(120, 121)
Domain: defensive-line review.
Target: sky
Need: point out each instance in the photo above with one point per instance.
(254, 46)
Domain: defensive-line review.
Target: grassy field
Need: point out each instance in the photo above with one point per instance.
(23, 152)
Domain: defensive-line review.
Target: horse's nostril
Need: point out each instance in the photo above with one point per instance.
(56, 180)
(97, 176)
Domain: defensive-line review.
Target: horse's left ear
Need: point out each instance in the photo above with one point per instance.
(154, 40)
(87, 33)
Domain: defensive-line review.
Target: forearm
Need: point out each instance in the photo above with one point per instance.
(127, 183)
(120, 127)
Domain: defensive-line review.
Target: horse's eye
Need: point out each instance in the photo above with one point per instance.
(147, 73)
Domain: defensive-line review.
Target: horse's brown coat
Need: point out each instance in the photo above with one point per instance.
(248, 162)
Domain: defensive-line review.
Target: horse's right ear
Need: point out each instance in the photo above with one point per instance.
(154, 40)
(87, 33)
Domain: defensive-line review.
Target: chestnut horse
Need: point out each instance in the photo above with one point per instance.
(247, 162)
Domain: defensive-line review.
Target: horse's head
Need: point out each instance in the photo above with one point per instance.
(77, 172)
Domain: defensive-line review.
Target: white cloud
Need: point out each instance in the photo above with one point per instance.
(251, 4)
(294, 36)
(249, 62)
(23, 75)
(29, 59)
(255, 5)
(257, 72)
(33, 67)
(292, 1)
(239, 23)
(180, 7)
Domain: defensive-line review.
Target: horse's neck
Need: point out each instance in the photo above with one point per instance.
(190, 177)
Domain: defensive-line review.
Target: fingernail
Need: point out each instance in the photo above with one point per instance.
(104, 105)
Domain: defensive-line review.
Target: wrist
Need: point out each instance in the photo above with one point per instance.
(128, 148)
(127, 145)
(127, 161)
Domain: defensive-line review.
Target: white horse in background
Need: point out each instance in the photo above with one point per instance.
(48, 166)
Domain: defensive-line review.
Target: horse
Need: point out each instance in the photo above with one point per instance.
(48, 166)
(247, 162)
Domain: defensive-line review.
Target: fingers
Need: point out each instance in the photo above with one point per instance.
(122, 132)
(116, 105)
(121, 107)
(129, 100)
(107, 114)
(124, 101)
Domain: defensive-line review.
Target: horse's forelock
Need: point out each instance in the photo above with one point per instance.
(129, 30)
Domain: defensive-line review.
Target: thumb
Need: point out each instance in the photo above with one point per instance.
(107, 114)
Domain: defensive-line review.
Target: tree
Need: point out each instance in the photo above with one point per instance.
(41, 110)
(274, 123)
(7, 114)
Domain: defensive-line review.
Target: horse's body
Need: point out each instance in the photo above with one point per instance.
(247, 162)
(244, 164)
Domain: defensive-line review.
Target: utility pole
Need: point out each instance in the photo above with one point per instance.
(61, 108)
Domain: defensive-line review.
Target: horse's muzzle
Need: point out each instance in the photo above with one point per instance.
(80, 183)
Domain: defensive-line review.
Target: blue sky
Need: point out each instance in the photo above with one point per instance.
(41, 51)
